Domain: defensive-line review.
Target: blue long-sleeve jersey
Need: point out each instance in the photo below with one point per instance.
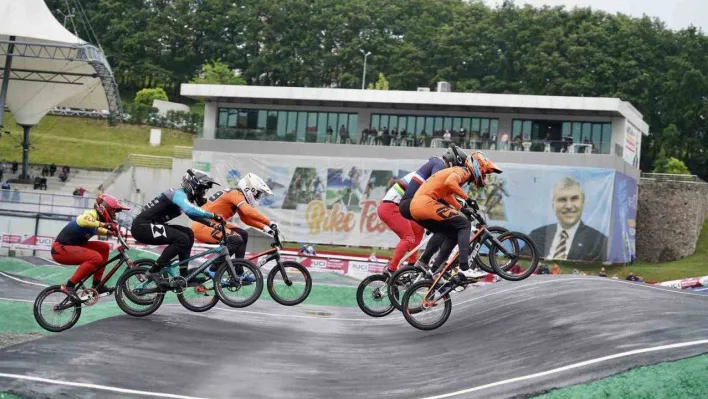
(422, 174)
(169, 205)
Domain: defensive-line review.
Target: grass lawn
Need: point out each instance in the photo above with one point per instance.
(695, 265)
(73, 141)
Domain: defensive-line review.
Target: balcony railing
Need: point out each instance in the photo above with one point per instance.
(469, 142)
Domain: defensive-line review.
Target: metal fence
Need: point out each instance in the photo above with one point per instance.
(58, 204)
(670, 177)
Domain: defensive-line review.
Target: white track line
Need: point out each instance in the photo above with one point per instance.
(570, 367)
(95, 386)
(23, 281)
(16, 300)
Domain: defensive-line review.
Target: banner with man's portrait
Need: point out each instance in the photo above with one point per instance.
(566, 210)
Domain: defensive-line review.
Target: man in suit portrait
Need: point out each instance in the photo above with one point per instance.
(569, 238)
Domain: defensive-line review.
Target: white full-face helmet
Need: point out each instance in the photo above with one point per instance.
(253, 188)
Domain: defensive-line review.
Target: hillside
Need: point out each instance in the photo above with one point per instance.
(84, 142)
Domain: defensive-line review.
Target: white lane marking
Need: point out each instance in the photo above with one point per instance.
(95, 386)
(570, 367)
(23, 281)
(16, 300)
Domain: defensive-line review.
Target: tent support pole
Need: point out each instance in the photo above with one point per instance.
(6, 79)
(25, 153)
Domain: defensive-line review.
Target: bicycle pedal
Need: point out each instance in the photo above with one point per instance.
(459, 288)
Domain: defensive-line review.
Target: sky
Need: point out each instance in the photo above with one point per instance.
(677, 14)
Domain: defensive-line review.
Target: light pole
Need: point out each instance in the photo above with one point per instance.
(363, 78)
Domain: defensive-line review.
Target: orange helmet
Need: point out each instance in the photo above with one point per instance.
(479, 166)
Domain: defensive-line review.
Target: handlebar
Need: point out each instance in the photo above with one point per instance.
(277, 238)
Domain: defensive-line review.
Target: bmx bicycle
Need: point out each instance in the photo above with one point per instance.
(139, 296)
(291, 278)
(55, 311)
(431, 297)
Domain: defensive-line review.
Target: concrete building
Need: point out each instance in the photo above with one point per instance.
(597, 126)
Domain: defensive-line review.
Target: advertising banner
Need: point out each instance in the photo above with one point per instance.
(334, 200)
(631, 145)
(624, 219)
(27, 241)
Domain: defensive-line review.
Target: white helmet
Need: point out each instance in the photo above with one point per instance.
(253, 187)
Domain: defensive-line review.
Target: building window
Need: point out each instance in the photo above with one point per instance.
(536, 131)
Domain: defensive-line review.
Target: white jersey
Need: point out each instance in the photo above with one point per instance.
(396, 192)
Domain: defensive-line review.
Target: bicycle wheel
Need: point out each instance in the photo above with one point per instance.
(145, 264)
(485, 249)
(295, 290)
(54, 311)
(400, 280)
(425, 317)
(233, 290)
(521, 258)
(372, 296)
(200, 298)
(146, 290)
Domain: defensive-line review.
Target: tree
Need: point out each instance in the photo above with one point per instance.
(218, 73)
(145, 97)
(671, 166)
(381, 83)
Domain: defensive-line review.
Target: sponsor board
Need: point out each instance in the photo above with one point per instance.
(358, 269)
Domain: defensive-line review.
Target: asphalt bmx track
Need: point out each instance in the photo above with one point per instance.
(502, 340)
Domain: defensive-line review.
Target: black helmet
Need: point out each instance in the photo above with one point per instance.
(195, 184)
(454, 156)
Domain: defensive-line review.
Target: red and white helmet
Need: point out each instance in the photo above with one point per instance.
(253, 188)
(107, 206)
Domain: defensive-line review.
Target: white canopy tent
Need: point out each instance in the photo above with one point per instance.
(46, 66)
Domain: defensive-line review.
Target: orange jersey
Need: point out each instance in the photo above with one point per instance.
(229, 202)
(443, 184)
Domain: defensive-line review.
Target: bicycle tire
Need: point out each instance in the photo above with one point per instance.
(42, 321)
(478, 260)
(395, 293)
(120, 294)
(360, 296)
(405, 303)
(516, 236)
(223, 272)
(275, 272)
(143, 263)
(184, 297)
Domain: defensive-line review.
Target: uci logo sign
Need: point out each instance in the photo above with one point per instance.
(362, 267)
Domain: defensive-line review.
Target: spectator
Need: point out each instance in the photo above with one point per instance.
(52, 169)
(423, 140)
(632, 277)
(447, 138)
(576, 272)
(373, 258)
(602, 272)
(37, 183)
(543, 269)
(505, 141)
(63, 176)
(45, 170)
(464, 140)
(386, 138)
(14, 167)
(556, 269)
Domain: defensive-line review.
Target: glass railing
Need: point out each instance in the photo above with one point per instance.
(471, 143)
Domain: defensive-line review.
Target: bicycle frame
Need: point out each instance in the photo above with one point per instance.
(480, 236)
(272, 254)
(222, 250)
